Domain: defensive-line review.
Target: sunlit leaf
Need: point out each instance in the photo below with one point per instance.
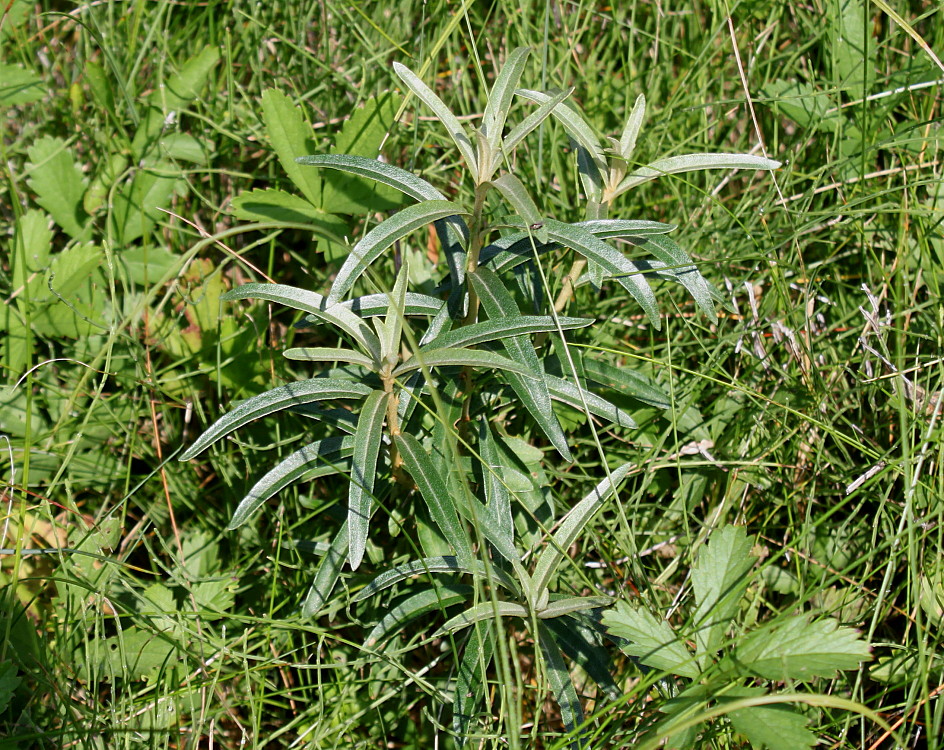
(650, 639)
(367, 440)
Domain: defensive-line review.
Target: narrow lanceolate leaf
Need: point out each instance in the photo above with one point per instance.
(650, 639)
(627, 141)
(796, 649)
(572, 524)
(386, 174)
(438, 597)
(322, 453)
(610, 260)
(532, 391)
(582, 644)
(383, 236)
(579, 398)
(497, 496)
(390, 331)
(360, 499)
(679, 266)
(462, 358)
(435, 492)
(575, 125)
(327, 354)
(327, 576)
(316, 305)
(499, 99)
(627, 381)
(562, 687)
(371, 305)
(449, 120)
(572, 604)
(517, 195)
(470, 680)
(529, 123)
(692, 163)
(444, 564)
(293, 394)
(719, 578)
(606, 229)
(493, 330)
(480, 612)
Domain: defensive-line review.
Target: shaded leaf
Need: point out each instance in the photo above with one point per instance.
(438, 597)
(443, 564)
(327, 576)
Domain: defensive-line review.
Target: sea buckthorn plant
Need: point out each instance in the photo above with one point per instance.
(448, 395)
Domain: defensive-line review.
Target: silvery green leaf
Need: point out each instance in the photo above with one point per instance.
(371, 305)
(531, 389)
(480, 612)
(499, 99)
(610, 260)
(329, 571)
(301, 463)
(386, 174)
(493, 330)
(572, 524)
(449, 120)
(461, 357)
(470, 680)
(444, 564)
(517, 195)
(328, 354)
(575, 125)
(572, 604)
(389, 333)
(529, 123)
(692, 163)
(305, 392)
(436, 598)
(435, 492)
(383, 236)
(562, 686)
(580, 398)
(315, 305)
(367, 440)
(627, 142)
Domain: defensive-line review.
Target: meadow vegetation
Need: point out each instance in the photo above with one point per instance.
(716, 521)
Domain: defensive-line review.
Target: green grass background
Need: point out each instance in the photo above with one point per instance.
(165, 630)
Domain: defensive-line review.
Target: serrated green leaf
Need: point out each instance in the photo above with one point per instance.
(771, 726)
(805, 105)
(386, 174)
(611, 261)
(58, 183)
(367, 440)
(19, 85)
(383, 236)
(719, 577)
(796, 649)
(316, 305)
(436, 494)
(651, 640)
(297, 465)
(442, 112)
(271, 205)
(293, 394)
(136, 208)
(627, 142)
(572, 525)
(291, 137)
(362, 134)
(327, 576)
(849, 27)
(532, 390)
(438, 597)
(692, 163)
(168, 99)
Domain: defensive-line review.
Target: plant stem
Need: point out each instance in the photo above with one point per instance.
(476, 238)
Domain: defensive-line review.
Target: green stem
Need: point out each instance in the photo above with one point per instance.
(476, 239)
